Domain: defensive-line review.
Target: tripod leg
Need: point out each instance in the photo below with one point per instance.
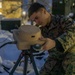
(25, 64)
(16, 64)
(33, 63)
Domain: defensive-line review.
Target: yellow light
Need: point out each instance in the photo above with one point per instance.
(0, 8)
(0, 4)
(0, 13)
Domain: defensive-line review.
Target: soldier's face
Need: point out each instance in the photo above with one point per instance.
(39, 17)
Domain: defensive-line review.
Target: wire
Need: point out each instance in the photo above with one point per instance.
(13, 42)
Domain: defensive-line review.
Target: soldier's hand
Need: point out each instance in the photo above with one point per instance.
(49, 43)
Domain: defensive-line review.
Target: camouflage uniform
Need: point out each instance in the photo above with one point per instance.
(61, 59)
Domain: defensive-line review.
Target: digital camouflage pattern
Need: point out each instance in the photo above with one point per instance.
(60, 62)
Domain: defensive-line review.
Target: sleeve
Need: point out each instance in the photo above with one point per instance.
(67, 40)
(59, 46)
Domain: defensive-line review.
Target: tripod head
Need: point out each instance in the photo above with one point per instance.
(26, 36)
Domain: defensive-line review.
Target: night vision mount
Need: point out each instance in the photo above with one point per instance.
(26, 36)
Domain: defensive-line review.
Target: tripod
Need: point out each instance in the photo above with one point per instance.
(26, 54)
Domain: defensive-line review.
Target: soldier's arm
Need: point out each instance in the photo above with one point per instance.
(67, 40)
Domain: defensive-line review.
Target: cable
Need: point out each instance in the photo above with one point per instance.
(13, 42)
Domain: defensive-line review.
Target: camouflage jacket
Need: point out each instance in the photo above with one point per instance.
(62, 30)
